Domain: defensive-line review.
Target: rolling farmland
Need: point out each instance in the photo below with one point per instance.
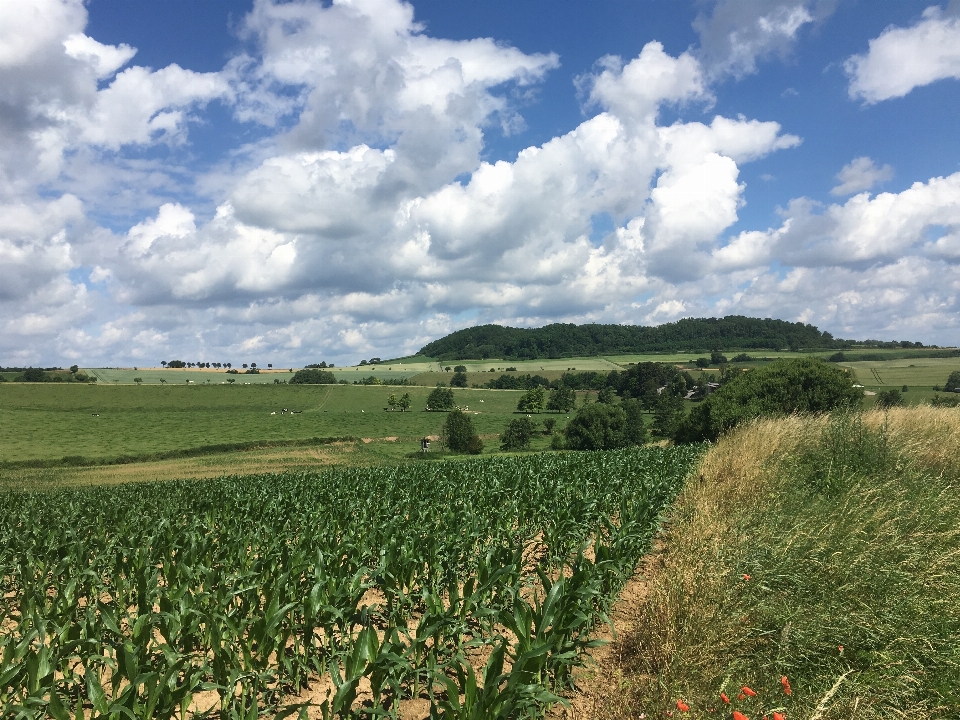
(465, 589)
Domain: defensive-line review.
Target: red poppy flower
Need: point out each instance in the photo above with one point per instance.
(737, 715)
(746, 577)
(779, 716)
(723, 696)
(682, 706)
(786, 685)
(748, 691)
(741, 696)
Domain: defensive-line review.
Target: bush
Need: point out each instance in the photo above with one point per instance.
(459, 379)
(458, 434)
(518, 434)
(953, 382)
(742, 358)
(460, 368)
(440, 398)
(548, 426)
(33, 375)
(783, 387)
(597, 427)
(889, 398)
(945, 401)
(313, 376)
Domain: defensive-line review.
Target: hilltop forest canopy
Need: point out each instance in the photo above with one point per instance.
(734, 332)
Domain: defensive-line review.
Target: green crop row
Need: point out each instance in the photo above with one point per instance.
(135, 601)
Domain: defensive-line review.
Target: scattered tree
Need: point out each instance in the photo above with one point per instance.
(440, 398)
(889, 398)
(531, 400)
(459, 380)
(138, 380)
(953, 382)
(74, 368)
(460, 368)
(783, 387)
(458, 434)
(606, 395)
(313, 377)
(518, 434)
(164, 382)
(404, 402)
(597, 427)
(548, 426)
(667, 415)
(562, 399)
(636, 432)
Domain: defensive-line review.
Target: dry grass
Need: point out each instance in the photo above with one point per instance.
(862, 553)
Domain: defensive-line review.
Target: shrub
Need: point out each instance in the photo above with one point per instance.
(953, 382)
(742, 357)
(440, 398)
(548, 426)
(597, 427)
(783, 387)
(460, 368)
(459, 379)
(33, 375)
(458, 434)
(889, 398)
(518, 434)
(313, 376)
(945, 401)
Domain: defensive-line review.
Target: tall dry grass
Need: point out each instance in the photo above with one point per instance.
(826, 550)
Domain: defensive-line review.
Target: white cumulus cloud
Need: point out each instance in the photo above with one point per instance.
(902, 59)
(860, 174)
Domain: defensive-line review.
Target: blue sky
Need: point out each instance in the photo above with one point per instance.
(293, 181)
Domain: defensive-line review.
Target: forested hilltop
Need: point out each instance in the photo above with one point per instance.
(734, 332)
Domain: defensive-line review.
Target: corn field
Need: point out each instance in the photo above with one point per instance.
(473, 586)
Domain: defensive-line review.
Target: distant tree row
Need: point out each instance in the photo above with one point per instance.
(690, 334)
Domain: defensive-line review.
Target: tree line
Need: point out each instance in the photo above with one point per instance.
(690, 334)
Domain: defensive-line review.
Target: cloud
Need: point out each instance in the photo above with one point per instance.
(860, 174)
(364, 218)
(902, 59)
(738, 33)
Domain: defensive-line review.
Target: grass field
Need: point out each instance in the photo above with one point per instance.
(50, 421)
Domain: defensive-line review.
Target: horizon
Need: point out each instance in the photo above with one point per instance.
(331, 180)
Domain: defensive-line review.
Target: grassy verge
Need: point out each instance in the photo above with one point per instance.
(826, 551)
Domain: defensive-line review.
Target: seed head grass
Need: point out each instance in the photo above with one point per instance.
(823, 550)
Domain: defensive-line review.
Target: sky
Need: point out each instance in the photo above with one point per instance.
(289, 182)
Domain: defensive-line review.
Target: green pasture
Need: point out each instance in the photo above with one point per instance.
(920, 375)
(51, 421)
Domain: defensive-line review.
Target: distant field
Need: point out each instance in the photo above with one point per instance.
(50, 421)
(918, 374)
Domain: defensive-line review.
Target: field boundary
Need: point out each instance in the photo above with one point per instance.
(81, 461)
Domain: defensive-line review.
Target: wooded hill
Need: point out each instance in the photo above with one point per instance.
(734, 332)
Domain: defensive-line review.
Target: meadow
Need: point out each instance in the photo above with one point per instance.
(49, 421)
